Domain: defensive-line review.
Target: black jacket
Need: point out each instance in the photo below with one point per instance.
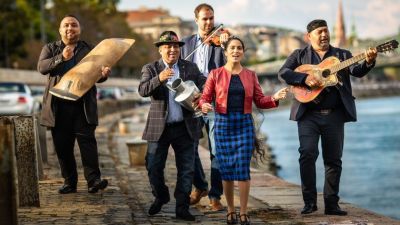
(150, 86)
(303, 56)
(51, 64)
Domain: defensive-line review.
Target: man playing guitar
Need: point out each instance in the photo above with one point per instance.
(324, 117)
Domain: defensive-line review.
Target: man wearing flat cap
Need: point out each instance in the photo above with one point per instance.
(170, 124)
(324, 117)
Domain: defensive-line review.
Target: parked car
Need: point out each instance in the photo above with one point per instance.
(37, 93)
(16, 99)
(109, 93)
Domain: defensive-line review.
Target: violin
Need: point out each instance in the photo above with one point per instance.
(214, 37)
(211, 39)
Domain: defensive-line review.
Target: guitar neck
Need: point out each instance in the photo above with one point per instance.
(347, 63)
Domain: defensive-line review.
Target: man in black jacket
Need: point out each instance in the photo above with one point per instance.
(70, 120)
(170, 124)
(324, 117)
(207, 57)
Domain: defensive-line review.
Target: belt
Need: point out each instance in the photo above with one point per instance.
(174, 124)
(322, 111)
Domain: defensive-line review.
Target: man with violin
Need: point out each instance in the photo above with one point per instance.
(323, 117)
(204, 49)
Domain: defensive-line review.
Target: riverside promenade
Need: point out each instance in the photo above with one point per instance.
(128, 196)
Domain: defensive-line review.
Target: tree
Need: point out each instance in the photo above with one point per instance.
(20, 33)
(12, 32)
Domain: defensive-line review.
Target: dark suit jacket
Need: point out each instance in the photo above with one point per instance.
(216, 56)
(303, 56)
(150, 86)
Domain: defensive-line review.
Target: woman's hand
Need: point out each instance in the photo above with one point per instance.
(281, 94)
(206, 107)
(195, 102)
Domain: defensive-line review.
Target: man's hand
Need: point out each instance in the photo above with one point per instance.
(371, 55)
(313, 81)
(223, 37)
(166, 74)
(105, 71)
(68, 52)
(206, 107)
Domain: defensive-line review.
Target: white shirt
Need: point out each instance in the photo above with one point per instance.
(201, 56)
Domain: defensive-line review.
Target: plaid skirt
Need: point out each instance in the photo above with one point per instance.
(234, 143)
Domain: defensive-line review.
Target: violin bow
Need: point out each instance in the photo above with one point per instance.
(207, 39)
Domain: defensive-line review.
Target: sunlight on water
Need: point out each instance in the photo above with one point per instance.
(371, 168)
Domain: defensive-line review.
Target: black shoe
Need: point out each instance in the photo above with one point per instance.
(244, 219)
(98, 185)
(336, 210)
(66, 189)
(309, 208)
(231, 218)
(185, 215)
(156, 206)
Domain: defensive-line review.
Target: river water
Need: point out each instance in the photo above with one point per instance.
(371, 156)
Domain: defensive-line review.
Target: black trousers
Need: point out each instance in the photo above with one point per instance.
(157, 152)
(71, 125)
(329, 127)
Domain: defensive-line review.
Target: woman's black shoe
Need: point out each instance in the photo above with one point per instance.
(231, 218)
(245, 221)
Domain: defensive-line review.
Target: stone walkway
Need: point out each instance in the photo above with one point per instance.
(128, 197)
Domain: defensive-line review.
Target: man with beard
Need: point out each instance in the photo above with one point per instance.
(170, 124)
(70, 120)
(207, 57)
(324, 117)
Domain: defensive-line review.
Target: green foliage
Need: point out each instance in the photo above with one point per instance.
(20, 33)
(13, 23)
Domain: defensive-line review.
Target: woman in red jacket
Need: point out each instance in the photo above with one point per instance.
(235, 88)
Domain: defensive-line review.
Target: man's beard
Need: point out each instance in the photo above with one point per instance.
(72, 41)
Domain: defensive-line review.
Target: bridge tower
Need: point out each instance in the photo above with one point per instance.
(340, 31)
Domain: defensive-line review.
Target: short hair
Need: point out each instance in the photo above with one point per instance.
(230, 39)
(316, 24)
(70, 15)
(200, 7)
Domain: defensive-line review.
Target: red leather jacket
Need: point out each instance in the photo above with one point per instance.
(217, 86)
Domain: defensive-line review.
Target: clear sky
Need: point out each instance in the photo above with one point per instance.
(373, 18)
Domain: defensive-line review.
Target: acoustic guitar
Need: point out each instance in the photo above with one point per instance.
(327, 70)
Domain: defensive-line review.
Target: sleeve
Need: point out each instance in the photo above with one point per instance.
(287, 73)
(149, 82)
(262, 101)
(48, 61)
(200, 78)
(209, 89)
(358, 69)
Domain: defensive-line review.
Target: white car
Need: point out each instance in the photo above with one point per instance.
(16, 99)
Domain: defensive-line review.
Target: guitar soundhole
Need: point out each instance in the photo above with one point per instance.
(326, 73)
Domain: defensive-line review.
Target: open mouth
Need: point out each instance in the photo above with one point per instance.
(324, 41)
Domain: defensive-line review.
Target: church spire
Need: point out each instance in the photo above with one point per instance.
(340, 32)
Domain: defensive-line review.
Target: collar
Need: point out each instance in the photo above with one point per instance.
(175, 66)
(198, 38)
